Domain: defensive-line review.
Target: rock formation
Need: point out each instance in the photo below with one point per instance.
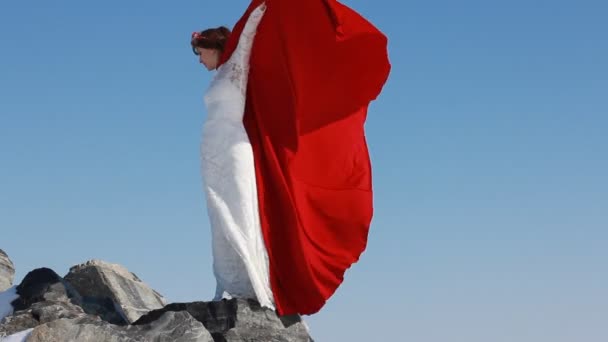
(102, 302)
(7, 271)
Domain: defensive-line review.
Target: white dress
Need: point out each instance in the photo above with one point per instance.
(240, 259)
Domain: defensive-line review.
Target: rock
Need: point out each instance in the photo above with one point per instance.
(170, 327)
(175, 327)
(13, 324)
(98, 301)
(39, 313)
(7, 271)
(83, 329)
(50, 311)
(105, 308)
(43, 284)
(43, 296)
(17, 322)
(238, 320)
(100, 282)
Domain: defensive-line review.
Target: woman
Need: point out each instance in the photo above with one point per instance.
(285, 162)
(240, 262)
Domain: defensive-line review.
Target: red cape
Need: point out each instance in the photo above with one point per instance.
(315, 67)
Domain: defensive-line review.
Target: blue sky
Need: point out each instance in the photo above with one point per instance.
(488, 145)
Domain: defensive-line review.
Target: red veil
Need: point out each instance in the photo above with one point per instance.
(315, 67)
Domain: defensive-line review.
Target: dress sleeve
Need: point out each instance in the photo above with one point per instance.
(237, 66)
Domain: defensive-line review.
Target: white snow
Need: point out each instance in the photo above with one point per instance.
(6, 298)
(17, 337)
(6, 309)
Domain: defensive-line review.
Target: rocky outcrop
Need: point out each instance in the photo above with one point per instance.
(7, 271)
(99, 301)
(43, 284)
(39, 313)
(238, 320)
(43, 296)
(170, 327)
(102, 284)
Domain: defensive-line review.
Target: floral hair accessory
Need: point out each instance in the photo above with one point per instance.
(197, 35)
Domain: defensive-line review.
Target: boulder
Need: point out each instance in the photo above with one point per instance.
(239, 320)
(42, 296)
(111, 290)
(43, 284)
(37, 314)
(170, 327)
(7, 271)
(103, 302)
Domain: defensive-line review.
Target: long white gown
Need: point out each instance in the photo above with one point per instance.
(240, 259)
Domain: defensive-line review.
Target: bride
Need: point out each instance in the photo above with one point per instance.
(285, 164)
(240, 261)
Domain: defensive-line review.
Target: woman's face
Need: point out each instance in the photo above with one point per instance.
(208, 57)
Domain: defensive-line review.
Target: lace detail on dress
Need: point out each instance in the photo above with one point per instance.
(236, 68)
(236, 74)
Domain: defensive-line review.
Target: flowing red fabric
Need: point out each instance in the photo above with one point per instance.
(315, 67)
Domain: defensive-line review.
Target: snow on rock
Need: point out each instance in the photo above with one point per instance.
(6, 298)
(18, 337)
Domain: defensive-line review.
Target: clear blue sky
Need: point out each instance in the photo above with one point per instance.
(488, 144)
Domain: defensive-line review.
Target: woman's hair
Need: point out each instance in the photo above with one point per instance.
(213, 38)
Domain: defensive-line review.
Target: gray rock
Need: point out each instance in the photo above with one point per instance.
(252, 326)
(80, 330)
(53, 309)
(239, 320)
(111, 290)
(17, 322)
(43, 284)
(174, 327)
(50, 311)
(170, 327)
(43, 297)
(7, 271)
(105, 308)
(39, 313)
